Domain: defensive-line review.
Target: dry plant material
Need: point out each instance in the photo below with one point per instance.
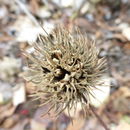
(65, 69)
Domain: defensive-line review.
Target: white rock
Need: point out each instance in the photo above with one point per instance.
(69, 3)
(101, 94)
(8, 67)
(3, 12)
(123, 26)
(64, 3)
(19, 94)
(118, 21)
(1, 98)
(28, 32)
(43, 12)
(125, 29)
(126, 33)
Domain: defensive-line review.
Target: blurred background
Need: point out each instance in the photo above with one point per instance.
(106, 21)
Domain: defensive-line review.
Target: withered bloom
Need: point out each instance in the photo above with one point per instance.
(65, 69)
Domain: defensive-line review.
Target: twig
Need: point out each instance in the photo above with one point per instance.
(98, 117)
(27, 12)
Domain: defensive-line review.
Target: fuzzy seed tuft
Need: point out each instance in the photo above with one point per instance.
(65, 67)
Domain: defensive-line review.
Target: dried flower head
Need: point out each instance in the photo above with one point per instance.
(65, 68)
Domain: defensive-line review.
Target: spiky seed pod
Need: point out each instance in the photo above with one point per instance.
(65, 68)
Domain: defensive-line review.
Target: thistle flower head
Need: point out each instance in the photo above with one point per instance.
(65, 68)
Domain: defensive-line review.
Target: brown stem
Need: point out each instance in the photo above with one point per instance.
(98, 117)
